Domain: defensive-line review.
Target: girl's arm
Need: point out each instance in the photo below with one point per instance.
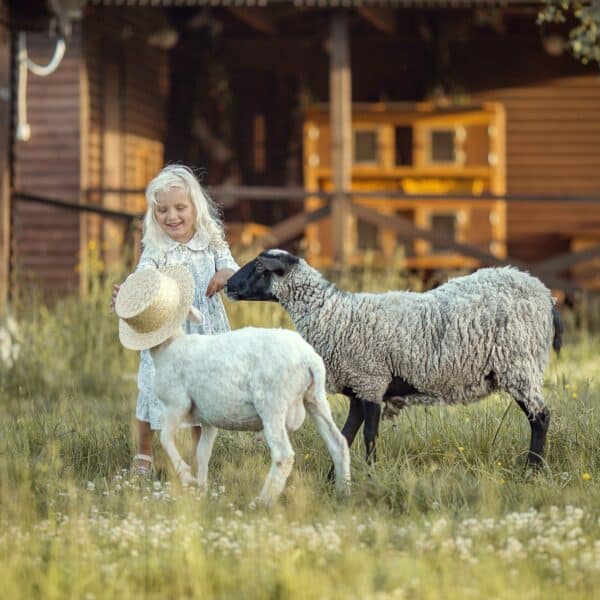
(225, 267)
(224, 259)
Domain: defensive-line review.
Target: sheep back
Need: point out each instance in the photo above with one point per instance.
(456, 343)
(233, 378)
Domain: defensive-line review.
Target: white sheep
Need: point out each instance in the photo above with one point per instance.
(246, 380)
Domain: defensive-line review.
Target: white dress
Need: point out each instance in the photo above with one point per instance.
(203, 260)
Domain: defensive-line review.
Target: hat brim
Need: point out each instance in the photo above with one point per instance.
(134, 340)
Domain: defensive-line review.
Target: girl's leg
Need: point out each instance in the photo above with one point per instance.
(144, 442)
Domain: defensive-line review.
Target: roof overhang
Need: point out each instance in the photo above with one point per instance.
(449, 4)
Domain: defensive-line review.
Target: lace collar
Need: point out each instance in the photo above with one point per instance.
(197, 243)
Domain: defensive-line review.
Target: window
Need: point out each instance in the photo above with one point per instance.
(444, 224)
(404, 146)
(365, 146)
(367, 235)
(442, 149)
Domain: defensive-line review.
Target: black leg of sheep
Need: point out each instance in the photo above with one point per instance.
(372, 414)
(361, 411)
(355, 419)
(539, 424)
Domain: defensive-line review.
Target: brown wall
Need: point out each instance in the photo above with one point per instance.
(126, 122)
(45, 240)
(553, 147)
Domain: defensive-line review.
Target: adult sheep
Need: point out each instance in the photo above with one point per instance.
(491, 330)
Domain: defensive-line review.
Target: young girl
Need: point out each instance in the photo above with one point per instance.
(181, 226)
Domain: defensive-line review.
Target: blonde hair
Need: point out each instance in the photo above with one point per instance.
(208, 218)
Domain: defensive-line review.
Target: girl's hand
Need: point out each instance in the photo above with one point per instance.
(115, 291)
(218, 281)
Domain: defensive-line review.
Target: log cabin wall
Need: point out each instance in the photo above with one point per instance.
(552, 109)
(45, 240)
(553, 147)
(126, 125)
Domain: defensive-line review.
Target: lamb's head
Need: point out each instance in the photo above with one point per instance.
(258, 279)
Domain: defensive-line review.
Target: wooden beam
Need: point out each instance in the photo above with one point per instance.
(291, 227)
(340, 106)
(255, 17)
(562, 262)
(406, 229)
(383, 19)
(5, 204)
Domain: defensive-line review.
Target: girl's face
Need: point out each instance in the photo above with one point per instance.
(176, 214)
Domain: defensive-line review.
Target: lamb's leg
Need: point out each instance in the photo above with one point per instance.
(173, 417)
(336, 443)
(282, 460)
(539, 421)
(204, 451)
(355, 419)
(372, 412)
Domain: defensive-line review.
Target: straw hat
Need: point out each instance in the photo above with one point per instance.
(152, 304)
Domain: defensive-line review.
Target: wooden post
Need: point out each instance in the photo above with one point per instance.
(84, 120)
(5, 212)
(340, 107)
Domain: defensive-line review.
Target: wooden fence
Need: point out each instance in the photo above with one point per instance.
(551, 270)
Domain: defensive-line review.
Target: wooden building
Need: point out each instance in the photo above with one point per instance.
(239, 89)
(418, 150)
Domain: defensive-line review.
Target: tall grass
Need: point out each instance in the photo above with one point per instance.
(448, 511)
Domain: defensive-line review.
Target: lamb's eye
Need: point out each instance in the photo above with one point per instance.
(260, 267)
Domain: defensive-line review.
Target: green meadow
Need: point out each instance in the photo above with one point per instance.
(448, 511)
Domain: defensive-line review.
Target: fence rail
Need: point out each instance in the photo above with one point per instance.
(272, 193)
(550, 270)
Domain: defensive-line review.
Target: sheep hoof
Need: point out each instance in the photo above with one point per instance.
(187, 478)
(265, 500)
(343, 492)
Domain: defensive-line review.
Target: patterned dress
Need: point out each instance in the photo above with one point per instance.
(203, 260)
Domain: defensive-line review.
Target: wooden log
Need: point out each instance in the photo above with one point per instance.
(290, 228)
(406, 229)
(340, 92)
(5, 212)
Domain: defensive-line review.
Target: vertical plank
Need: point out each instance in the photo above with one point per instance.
(340, 94)
(84, 120)
(498, 182)
(5, 215)
(113, 233)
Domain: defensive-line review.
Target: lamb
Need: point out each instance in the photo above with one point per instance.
(269, 379)
(245, 380)
(491, 330)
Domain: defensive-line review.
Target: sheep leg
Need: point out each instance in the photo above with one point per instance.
(203, 453)
(282, 460)
(355, 419)
(336, 443)
(167, 439)
(372, 413)
(539, 422)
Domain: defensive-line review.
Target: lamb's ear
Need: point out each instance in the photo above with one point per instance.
(195, 316)
(280, 263)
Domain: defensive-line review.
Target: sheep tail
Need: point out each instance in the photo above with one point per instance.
(558, 330)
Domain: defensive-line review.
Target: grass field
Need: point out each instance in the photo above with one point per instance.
(449, 511)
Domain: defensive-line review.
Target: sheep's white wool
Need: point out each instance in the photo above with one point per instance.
(489, 330)
(246, 380)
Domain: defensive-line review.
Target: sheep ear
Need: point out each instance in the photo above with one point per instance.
(278, 264)
(195, 316)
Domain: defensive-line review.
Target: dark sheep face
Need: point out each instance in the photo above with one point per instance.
(253, 281)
